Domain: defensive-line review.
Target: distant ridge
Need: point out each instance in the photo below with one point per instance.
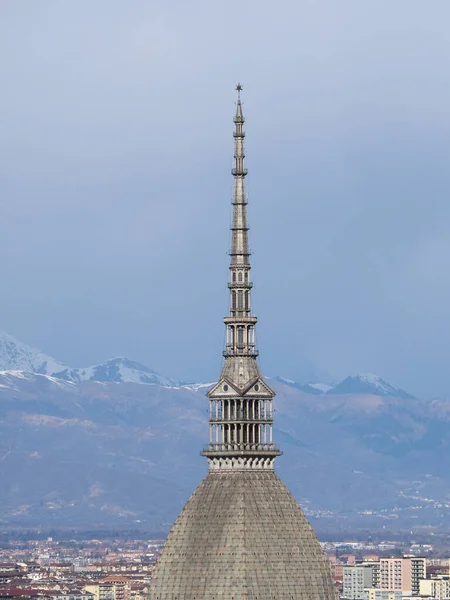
(308, 388)
(119, 370)
(17, 356)
(367, 383)
(362, 383)
(90, 452)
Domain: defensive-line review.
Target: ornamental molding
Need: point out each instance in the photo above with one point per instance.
(241, 463)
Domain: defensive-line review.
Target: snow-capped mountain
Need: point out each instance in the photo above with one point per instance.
(308, 388)
(16, 356)
(367, 383)
(118, 369)
(374, 453)
(362, 383)
(320, 387)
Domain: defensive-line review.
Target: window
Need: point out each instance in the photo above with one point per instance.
(240, 301)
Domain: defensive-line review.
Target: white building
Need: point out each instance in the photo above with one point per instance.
(356, 579)
(438, 588)
(377, 594)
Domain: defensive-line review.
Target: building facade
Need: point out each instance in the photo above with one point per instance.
(356, 579)
(438, 588)
(377, 594)
(100, 590)
(403, 574)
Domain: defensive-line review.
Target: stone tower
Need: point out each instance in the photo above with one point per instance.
(241, 535)
(240, 404)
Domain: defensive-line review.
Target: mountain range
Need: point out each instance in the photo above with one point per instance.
(17, 356)
(118, 445)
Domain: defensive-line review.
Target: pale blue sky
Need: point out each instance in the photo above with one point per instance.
(115, 149)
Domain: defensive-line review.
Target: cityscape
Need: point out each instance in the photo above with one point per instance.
(47, 568)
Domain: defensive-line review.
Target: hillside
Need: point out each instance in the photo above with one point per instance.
(91, 453)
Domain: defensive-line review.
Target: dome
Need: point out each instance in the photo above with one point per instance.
(242, 536)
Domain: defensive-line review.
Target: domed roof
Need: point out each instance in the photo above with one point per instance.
(241, 536)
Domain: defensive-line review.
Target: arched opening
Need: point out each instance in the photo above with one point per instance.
(240, 300)
(240, 340)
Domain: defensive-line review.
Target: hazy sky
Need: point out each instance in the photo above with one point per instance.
(115, 150)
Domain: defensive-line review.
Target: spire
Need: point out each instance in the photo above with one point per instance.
(239, 117)
(241, 402)
(239, 230)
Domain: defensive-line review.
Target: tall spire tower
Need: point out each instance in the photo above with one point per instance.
(241, 535)
(240, 410)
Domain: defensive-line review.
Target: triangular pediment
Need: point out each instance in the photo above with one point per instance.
(254, 389)
(258, 389)
(223, 389)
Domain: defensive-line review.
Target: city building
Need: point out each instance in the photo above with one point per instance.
(241, 535)
(356, 579)
(100, 590)
(121, 587)
(402, 574)
(377, 594)
(75, 595)
(337, 572)
(438, 588)
(375, 565)
(371, 558)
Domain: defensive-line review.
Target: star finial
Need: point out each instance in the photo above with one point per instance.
(239, 88)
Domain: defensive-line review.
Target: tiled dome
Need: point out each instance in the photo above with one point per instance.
(242, 536)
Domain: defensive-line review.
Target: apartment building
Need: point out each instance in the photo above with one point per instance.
(438, 587)
(121, 586)
(100, 591)
(402, 574)
(355, 580)
(377, 594)
(375, 571)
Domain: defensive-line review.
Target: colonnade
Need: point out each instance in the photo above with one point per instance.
(240, 423)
